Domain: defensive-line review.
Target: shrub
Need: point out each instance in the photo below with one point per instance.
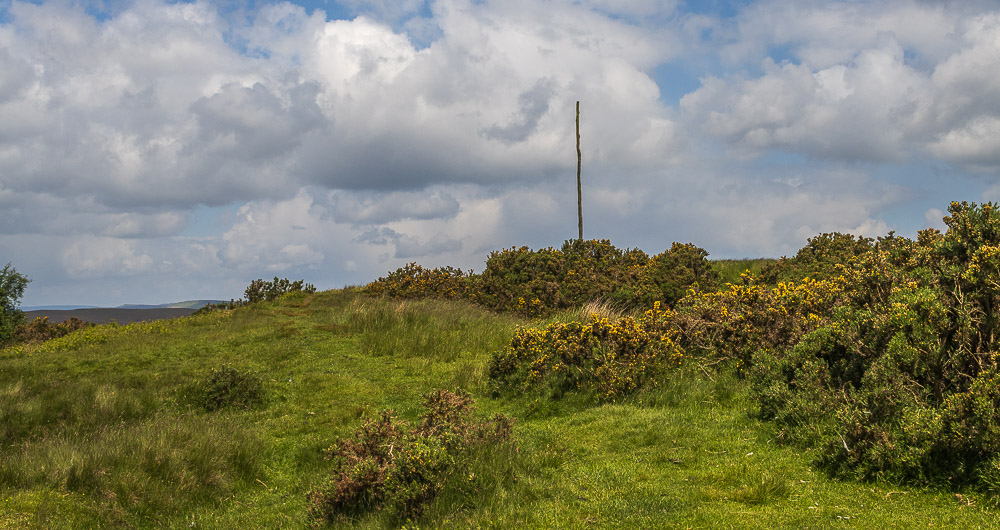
(738, 322)
(390, 465)
(41, 329)
(523, 281)
(12, 285)
(229, 387)
(596, 270)
(667, 276)
(890, 366)
(260, 290)
(537, 282)
(819, 258)
(414, 281)
(611, 358)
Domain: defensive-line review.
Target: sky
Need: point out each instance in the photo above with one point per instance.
(155, 151)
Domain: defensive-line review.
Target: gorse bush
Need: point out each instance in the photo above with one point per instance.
(610, 357)
(888, 363)
(882, 353)
(668, 276)
(414, 281)
(743, 319)
(391, 465)
(819, 259)
(537, 282)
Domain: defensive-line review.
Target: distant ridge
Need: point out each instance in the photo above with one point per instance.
(108, 314)
(122, 314)
(55, 307)
(188, 304)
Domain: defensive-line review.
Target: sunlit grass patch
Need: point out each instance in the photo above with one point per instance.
(154, 468)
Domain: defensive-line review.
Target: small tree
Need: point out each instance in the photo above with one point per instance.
(12, 286)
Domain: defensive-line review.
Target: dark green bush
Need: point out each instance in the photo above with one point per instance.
(524, 281)
(12, 285)
(261, 290)
(893, 379)
(41, 329)
(229, 387)
(391, 465)
(819, 259)
(537, 282)
(667, 276)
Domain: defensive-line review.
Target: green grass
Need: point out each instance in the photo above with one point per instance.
(102, 429)
(730, 269)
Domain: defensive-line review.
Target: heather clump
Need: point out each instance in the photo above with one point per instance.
(392, 465)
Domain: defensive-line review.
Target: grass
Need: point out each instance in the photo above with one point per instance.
(730, 269)
(103, 428)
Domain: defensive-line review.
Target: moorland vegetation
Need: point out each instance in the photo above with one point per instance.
(882, 354)
(853, 383)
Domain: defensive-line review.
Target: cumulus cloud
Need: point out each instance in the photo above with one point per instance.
(861, 81)
(532, 105)
(861, 110)
(380, 208)
(155, 106)
(439, 130)
(408, 246)
(102, 257)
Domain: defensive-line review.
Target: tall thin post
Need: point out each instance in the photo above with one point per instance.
(579, 164)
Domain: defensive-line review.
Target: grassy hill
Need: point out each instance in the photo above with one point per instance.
(106, 428)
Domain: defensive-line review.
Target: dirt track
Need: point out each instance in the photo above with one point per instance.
(103, 316)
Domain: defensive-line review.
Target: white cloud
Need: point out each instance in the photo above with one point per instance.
(379, 208)
(102, 257)
(858, 111)
(935, 218)
(879, 82)
(438, 131)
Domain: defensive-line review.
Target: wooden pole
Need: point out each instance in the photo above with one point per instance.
(579, 164)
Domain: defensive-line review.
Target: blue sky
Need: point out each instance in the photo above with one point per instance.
(155, 151)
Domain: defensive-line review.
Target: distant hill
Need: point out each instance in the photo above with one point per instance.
(28, 308)
(120, 315)
(188, 304)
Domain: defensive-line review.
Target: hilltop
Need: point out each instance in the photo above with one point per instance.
(103, 427)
